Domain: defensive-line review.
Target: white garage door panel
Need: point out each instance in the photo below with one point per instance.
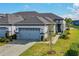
(2, 32)
(29, 34)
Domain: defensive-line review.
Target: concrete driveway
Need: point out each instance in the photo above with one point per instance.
(15, 48)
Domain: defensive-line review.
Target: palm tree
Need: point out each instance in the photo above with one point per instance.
(50, 37)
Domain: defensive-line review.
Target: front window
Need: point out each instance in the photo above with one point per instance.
(58, 21)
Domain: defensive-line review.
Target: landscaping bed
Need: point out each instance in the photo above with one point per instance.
(7, 39)
(60, 48)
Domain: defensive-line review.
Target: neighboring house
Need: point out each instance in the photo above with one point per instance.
(75, 22)
(30, 25)
(3, 25)
(7, 22)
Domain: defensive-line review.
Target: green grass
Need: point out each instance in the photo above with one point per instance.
(74, 26)
(61, 47)
(1, 44)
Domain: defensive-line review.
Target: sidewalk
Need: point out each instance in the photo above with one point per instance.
(54, 39)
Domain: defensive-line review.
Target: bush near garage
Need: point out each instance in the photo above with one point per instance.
(11, 37)
(3, 39)
(8, 38)
(14, 36)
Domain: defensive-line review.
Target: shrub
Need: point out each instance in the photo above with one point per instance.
(67, 31)
(71, 53)
(7, 35)
(10, 38)
(2, 39)
(74, 50)
(64, 35)
(7, 40)
(13, 36)
(67, 28)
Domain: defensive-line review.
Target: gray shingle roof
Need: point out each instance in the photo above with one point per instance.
(28, 18)
(29, 13)
(32, 18)
(43, 20)
(3, 19)
(12, 19)
(51, 15)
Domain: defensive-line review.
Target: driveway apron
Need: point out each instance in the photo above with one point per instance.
(15, 48)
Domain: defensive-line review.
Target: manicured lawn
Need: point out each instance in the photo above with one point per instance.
(61, 47)
(74, 26)
(1, 44)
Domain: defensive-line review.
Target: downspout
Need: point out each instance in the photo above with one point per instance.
(11, 29)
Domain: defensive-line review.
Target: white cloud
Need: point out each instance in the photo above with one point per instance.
(74, 12)
(76, 8)
(26, 6)
(73, 16)
(76, 5)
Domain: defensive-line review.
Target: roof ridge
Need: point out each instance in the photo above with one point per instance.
(56, 15)
(26, 11)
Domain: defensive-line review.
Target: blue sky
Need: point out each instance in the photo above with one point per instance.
(62, 9)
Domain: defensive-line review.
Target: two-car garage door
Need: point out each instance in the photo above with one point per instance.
(29, 33)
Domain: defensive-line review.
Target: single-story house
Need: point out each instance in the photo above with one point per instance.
(30, 25)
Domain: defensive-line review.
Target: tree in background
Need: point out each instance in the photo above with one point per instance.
(68, 22)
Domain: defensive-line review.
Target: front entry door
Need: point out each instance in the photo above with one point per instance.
(58, 27)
